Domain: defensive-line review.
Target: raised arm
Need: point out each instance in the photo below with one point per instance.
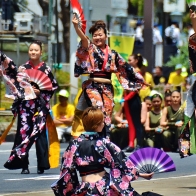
(79, 32)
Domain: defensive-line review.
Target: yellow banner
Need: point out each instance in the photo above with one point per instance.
(123, 45)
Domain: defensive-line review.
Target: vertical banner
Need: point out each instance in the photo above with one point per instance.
(123, 45)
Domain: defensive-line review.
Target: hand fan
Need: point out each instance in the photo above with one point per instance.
(192, 4)
(40, 78)
(149, 160)
(78, 11)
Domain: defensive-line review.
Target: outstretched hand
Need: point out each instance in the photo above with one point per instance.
(146, 176)
(75, 20)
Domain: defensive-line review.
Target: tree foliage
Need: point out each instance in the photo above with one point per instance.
(140, 6)
(181, 58)
(62, 77)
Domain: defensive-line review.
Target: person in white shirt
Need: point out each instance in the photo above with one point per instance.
(190, 30)
(139, 33)
(157, 38)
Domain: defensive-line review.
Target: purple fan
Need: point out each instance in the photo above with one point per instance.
(149, 160)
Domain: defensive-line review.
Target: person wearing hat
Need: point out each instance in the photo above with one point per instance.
(175, 78)
(63, 113)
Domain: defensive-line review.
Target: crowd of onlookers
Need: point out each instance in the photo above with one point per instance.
(162, 117)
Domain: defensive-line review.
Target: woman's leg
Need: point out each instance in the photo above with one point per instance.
(130, 123)
(135, 110)
(41, 145)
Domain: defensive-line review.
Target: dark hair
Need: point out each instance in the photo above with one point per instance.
(159, 68)
(147, 98)
(139, 58)
(155, 96)
(175, 91)
(167, 93)
(100, 24)
(39, 43)
(92, 117)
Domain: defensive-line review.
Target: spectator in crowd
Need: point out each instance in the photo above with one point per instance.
(145, 90)
(153, 129)
(157, 38)
(136, 61)
(172, 120)
(168, 34)
(172, 34)
(176, 34)
(63, 113)
(176, 79)
(190, 30)
(167, 98)
(139, 33)
(158, 76)
(119, 130)
(148, 102)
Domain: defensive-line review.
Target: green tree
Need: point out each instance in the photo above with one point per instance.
(140, 6)
(62, 77)
(182, 57)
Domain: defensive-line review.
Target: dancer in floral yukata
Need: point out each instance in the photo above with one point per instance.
(96, 59)
(90, 154)
(32, 113)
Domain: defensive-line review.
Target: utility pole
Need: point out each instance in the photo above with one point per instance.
(50, 15)
(57, 34)
(86, 8)
(73, 48)
(148, 33)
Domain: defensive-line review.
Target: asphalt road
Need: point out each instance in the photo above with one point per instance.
(182, 182)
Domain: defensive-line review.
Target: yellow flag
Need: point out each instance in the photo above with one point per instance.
(123, 45)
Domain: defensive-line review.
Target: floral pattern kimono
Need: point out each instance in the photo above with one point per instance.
(94, 61)
(88, 150)
(31, 113)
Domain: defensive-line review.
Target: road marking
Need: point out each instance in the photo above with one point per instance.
(22, 193)
(165, 178)
(5, 151)
(55, 177)
(48, 177)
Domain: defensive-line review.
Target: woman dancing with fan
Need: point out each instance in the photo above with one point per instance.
(32, 113)
(99, 61)
(90, 154)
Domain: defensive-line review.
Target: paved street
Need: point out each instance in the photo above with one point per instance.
(181, 182)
